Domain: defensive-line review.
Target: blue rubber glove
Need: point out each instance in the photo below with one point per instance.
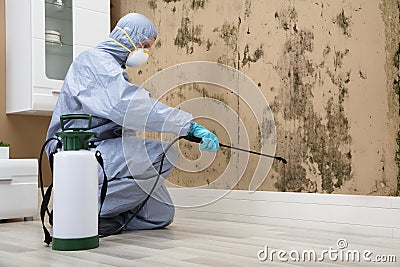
(209, 142)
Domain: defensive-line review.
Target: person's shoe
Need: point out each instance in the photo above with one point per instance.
(109, 226)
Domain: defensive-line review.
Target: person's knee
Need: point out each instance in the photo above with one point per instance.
(168, 216)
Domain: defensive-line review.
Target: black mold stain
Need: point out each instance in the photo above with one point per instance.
(247, 10)
(227, 153)
(396, 83)
(362, 74)
(287, 18)
(258, 53)
(152, 4)
(336, 158)
(205, 93)
(313, 145)
(228, 33)
(214, 96)
(157, 44)
(188, 35)
(209, 44)
(265, 129)
(228, 60)
(339, 78)
(338, 59)
(327, 50)
(398, 163)
(196, 4)
(343, 22)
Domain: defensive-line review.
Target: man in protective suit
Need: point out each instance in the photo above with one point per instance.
(97, 84)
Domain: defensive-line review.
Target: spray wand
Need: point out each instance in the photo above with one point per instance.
(195, 139)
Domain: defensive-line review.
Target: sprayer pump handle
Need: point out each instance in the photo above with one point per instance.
(68, 117)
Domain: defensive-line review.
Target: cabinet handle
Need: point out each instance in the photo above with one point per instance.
(6, 180)
(55, 92)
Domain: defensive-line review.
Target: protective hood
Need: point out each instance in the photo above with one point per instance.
(139, 29)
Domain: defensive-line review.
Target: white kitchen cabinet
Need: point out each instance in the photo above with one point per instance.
(18, 188)
(36, 62)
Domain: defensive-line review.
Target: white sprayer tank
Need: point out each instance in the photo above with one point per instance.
(75, 203)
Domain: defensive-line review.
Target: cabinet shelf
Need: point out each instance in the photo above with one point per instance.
(59, 49)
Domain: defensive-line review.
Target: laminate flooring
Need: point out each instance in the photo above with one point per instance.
(193, 242)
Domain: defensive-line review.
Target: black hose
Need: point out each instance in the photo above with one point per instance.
(192, 139)
(140, 207)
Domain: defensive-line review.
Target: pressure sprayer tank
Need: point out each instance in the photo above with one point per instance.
(75, 201)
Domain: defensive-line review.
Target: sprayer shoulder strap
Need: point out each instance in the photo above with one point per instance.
(43, 208)
(104, 186)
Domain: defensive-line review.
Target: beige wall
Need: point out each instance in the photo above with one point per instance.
(25, 134)
(326, 68)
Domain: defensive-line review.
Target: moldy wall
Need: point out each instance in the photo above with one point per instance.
(328, 69)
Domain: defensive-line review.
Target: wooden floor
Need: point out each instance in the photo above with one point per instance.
(187, 242)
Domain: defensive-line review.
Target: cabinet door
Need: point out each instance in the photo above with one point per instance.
(37, 15)
(102, 6)
(45, 91)
(91, 24)
(52, 54)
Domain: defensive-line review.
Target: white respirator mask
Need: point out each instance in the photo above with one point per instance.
(137, 57)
